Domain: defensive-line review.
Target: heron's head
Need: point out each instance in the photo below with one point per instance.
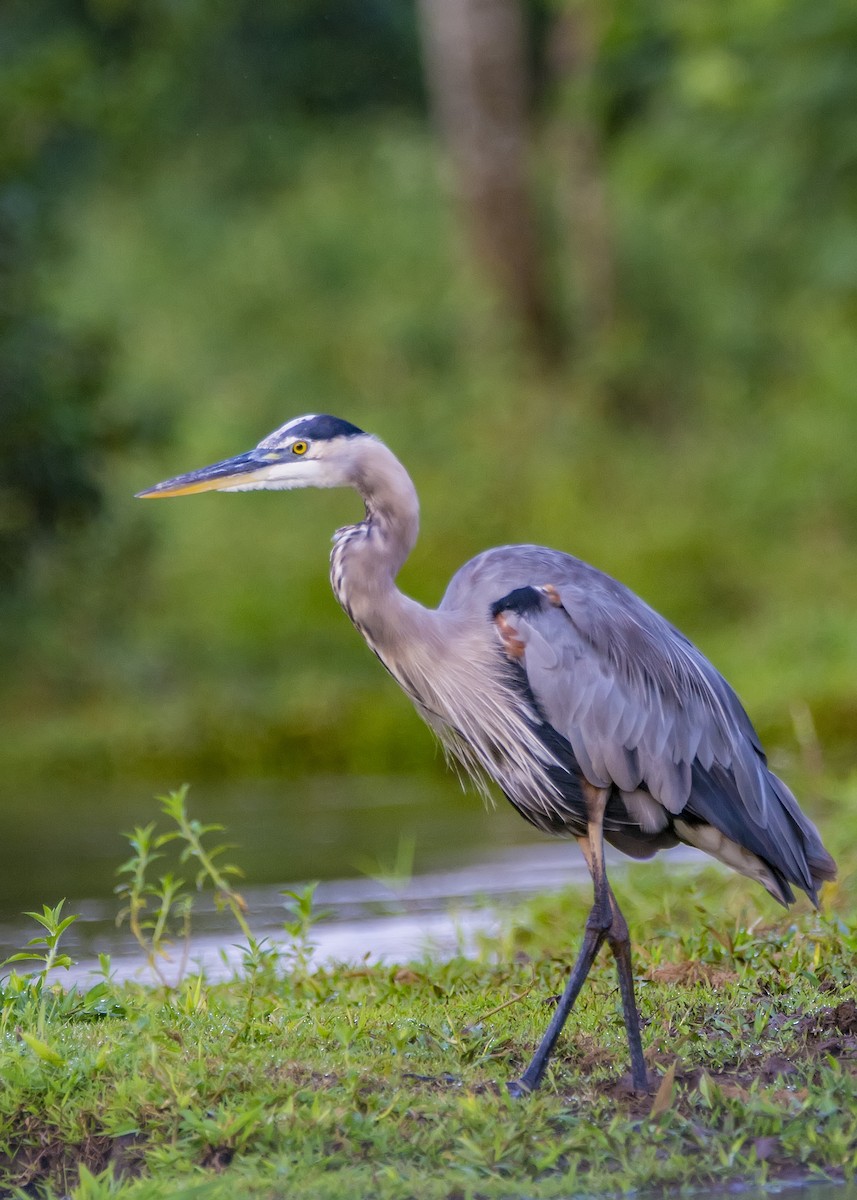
(312, 451)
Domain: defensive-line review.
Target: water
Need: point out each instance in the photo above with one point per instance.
(436, 914)
(797, 1190)
(66, 842)
(469, 863)
(66, 839)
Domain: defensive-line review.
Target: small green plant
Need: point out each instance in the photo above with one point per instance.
(152, 908)
(29, 997)
(191, 832)
(28, 993)
(303, 916)
(44, 948)
(159, 911)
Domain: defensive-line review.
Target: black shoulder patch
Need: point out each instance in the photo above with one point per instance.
(323, 428)
(521, 601)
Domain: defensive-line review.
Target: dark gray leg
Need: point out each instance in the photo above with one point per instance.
(605, 921)
(620, 944)
(593, 938)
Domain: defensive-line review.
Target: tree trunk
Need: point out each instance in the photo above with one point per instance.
(573, 53)
(476, 70)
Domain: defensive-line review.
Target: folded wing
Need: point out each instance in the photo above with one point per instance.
(648, 716)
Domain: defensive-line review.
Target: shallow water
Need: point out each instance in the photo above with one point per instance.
(797, 1189)
(65, 839)
(437, 914)
(65, 842)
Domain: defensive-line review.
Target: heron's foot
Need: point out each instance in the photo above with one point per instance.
(518, 1090)
(640, 1079)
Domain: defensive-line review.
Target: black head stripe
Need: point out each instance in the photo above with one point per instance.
(521, 601)
(322, 428)
(314, 428)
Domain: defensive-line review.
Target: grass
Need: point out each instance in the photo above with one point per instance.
(389, 1079)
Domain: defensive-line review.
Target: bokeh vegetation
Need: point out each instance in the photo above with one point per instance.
(216, 216)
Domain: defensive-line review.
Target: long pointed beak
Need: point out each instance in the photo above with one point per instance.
(232, 472)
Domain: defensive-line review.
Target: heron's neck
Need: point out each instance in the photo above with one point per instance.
(367, 557)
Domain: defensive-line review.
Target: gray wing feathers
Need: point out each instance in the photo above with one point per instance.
(643, 708)
(645, 711)
(673, 704)
(637, 702)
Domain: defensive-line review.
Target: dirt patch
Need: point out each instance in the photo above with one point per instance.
(813, 1038)
(301, 1076)
(43, 1156)
(689, 973)
(217, 1158)
(831, 1030)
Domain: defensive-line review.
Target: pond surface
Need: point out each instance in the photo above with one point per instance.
(66, 842)
(787, 1190)
(468, 864)
(433, 915)
(65, 839)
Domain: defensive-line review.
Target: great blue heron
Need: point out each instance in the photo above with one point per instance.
(596, 717)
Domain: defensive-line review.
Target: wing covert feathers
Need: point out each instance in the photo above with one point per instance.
(646, 714)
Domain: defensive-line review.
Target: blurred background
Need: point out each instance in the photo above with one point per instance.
(588, 266)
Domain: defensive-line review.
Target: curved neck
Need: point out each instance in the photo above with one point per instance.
(392, 506)
(367, 557)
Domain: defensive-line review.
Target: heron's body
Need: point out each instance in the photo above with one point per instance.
(595, 716)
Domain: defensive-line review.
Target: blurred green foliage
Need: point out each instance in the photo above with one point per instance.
(49, 382)
(93, 88)
(50, 378)
(247, 198)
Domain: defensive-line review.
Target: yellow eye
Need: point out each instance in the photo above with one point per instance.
(299, 448)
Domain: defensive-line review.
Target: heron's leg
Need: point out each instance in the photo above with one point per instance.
(598, 923)
(620, 944)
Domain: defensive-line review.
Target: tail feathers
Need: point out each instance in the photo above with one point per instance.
(820, 864)
(705, 837)
(767, 826)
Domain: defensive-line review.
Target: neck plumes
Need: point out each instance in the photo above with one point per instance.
(367, 557)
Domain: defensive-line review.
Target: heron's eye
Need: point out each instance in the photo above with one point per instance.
(299, 448)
